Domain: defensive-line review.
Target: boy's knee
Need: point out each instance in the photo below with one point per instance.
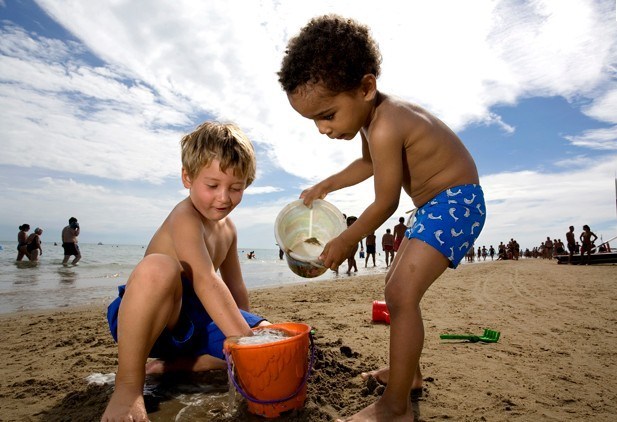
(158, 270)
(398, 298)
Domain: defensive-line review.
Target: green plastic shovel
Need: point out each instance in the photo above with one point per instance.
(489, 336)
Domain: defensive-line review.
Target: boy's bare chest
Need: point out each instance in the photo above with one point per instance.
(218, 248)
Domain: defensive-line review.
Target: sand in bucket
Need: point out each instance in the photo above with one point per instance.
(272, 376)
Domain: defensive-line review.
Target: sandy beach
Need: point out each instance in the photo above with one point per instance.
(555, 359)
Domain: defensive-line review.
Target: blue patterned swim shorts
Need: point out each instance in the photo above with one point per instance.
(451, 222)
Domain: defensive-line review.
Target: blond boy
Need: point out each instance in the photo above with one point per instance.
(187, 294)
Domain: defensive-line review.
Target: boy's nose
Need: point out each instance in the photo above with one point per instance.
(323, 128)
(224, 195)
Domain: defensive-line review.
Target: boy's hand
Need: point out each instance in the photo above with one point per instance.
(312, 193)
(336, 251)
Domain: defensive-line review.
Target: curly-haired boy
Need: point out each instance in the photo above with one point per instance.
(329, 73)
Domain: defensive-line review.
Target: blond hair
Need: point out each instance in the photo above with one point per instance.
(224, 142)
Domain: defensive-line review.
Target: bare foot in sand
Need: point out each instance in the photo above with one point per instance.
(382, 375)
(380, 411)
(126, 404)
(199, 364)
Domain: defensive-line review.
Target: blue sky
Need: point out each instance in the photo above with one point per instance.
(95, 97)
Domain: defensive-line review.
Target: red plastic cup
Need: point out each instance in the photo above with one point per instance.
(381, 312)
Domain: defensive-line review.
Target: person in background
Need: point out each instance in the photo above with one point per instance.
(587, 238)
(548, 248)
(22, 241)
(399, 233)
(69, 242)
(571, 241)
(387, 244)
(370, 248)
(33, 245)
(351, 258)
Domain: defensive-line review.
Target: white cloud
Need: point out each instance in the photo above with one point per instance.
(258, 190)
(605, 139)
(49, 202)
(169, 63)
(530, 205)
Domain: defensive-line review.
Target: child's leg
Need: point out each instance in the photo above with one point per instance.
(152, 301)
(415, 268)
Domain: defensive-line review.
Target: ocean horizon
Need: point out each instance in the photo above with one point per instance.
(47, 284)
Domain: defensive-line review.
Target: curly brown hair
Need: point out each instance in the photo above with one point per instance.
(332, 50)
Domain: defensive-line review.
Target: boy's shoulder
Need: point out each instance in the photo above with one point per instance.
(184, 212)
(400, 118)
(184, 216)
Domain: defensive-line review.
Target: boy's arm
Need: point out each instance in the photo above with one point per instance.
(386, 153)
(358, 171)
(231, 273)
(187, 233)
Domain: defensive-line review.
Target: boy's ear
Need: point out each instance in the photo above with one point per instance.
(186, 180)
(369, 86)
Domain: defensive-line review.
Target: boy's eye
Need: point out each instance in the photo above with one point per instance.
(212, 186)
(329, 117)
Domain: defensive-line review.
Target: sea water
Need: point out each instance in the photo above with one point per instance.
(48, 284)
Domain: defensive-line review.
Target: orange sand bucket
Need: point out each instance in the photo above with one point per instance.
(272, 376)
(381, 312)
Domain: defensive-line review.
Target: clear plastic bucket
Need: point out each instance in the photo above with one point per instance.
(302, 233)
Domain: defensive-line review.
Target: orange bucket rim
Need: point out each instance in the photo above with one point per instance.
(231, 344)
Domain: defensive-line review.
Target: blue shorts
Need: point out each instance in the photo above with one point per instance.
(451, 222)
(195, 334)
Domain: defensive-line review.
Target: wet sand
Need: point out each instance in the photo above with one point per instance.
(555, 359)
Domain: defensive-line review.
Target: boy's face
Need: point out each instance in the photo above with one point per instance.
(340, 116)
(214, 193)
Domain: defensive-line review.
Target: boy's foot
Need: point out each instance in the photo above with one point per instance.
(156, 366)
(379, 412)
(382, 375)
(126, 404)
(198, 364)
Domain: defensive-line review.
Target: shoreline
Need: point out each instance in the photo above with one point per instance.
(553, 361)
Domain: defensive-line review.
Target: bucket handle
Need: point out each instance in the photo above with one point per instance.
(244, 394)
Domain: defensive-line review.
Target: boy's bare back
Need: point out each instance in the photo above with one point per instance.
(434, 158)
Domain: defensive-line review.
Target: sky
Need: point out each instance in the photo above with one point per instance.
(95, 97)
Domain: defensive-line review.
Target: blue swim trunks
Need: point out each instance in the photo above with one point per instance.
(194, 335)
(451, 222)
